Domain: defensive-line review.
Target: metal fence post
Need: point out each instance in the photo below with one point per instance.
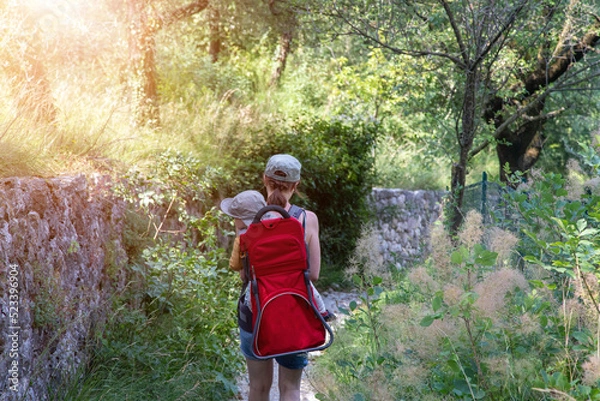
(484, 197)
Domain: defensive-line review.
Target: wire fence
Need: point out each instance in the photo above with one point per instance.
(488, 198)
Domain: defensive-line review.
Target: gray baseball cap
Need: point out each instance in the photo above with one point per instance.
(283, 168)
(244, 205)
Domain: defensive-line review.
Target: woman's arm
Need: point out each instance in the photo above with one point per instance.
(314, 246)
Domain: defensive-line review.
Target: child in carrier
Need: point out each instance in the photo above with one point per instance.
(243, 207)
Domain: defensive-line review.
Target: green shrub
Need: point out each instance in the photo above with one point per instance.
(472, 323)
(337, 173)
(172, 333)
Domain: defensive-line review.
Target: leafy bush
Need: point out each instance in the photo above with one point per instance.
(337, 173)
(475, 325)
(173, 332)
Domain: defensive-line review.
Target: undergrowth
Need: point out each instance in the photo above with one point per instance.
(476, 321)
(171, 334)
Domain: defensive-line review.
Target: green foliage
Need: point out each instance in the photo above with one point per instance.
(172, 334)
(182, 343)
(337, 174)
(561, 220)
(472, 326)
(400, 165)
(353, 364)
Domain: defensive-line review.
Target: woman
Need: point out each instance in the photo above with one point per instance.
(281, 178)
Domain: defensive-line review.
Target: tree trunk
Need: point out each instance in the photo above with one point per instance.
(287, 22)
(214, 46)
(143, 81)
(459, 170)
(142, 76)
(520, 149)
(285, 45)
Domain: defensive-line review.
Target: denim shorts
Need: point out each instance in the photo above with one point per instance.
(295, 361)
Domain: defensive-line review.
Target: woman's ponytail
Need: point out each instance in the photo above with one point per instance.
(277, 198)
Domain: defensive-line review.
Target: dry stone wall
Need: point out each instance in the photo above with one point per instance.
(404, 220)
(61, 255)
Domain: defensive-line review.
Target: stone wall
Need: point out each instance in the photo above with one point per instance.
(61, 254)
(404, 219)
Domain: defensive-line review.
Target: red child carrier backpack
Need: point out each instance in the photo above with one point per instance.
(285, 319)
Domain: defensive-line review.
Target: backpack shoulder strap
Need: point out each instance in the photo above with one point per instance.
(297, 212)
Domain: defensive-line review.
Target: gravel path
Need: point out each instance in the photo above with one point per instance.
(333, 300)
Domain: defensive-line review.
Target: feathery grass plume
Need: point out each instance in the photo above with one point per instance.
(591, 370)
(574, 184)
(353, 267)
(524, 369)
(502, 242)
(398, 318)
(378, 386)
(322, 380)
(587, 291)
(529, 324)
(367, 258)
(505, 371)
(472, 230)
(441, 249)
(492, 291)
(411, 374)
(453, 294)
(533, 176)
(426, 341)
(594, 185)
(421, 278)
(396, 313)
(498, 365)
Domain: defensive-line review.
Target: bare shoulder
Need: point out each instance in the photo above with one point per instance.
(312, 219)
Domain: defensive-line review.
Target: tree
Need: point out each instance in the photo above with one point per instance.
(146, 19)
(519, 133)
(497, 57)
(287, 24)
(214, 44)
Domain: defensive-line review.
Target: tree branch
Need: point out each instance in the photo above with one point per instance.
(459, 39)
(520, 112)
(179, 14)
(529, 119)
(354, 29)
(543, 76)
(566, 56)
(505, 28)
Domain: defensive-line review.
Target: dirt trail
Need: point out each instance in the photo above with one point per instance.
(333, 300)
